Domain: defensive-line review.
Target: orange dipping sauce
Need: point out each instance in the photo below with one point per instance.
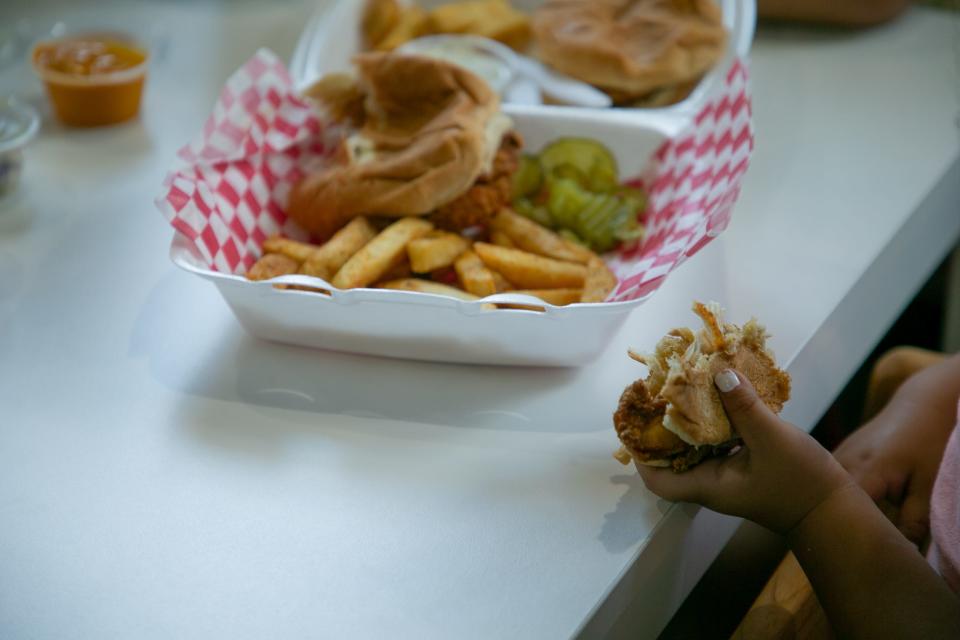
(92, 80)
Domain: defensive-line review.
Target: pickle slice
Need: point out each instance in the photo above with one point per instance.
(630, 232)
(590, 158)
(631, 229)
(573, 187)
(603, 177)
(570, 172)
(565, 201)
(528, 177)
(600, 220)
(637, 198)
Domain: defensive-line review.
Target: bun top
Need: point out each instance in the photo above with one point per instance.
(630, 48)
(427, 129)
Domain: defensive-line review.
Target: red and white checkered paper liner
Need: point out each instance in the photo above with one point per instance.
(262, 137)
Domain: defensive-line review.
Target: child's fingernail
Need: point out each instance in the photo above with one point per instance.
(726, 380)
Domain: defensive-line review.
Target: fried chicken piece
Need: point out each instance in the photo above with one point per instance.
(672, 345)
(639, 424)
(508, 155)
(481, 202)
(474, 208)
(714, 338)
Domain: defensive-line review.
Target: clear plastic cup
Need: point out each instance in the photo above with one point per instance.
(18, 124)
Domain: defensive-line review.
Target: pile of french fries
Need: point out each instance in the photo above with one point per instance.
(387, 24)
(409, 254)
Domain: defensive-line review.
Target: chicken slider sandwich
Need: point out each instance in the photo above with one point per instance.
(645, 52)
(674, 417)
(421, 137)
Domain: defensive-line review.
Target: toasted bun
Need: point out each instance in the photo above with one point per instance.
(675, 415)
(695, 412)
(630, 48)
(429, 130)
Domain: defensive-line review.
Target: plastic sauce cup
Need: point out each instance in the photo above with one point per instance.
(92, 79)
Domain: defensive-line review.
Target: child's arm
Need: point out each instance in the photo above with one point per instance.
(869, 579)
(895, 456)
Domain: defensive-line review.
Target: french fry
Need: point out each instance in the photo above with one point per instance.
(501, 239)
(377, 256)
(599, 282)
(519, 307)
(326, 260)
(316, 270)
(298, 287)
(379, 17)
(474, 276)
(410, 24)
(494, 19)
(501, 283)
(271, 265)
(299, 251)
(436, 250)
(558, 297)
(531, 271)
(530, 236)
(400, 269)
(426, 286)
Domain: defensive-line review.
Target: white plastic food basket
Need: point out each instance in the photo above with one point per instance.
(429, 327)
(695, 185)
(332, 37)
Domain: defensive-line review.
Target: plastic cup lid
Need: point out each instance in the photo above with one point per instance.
(19, 122)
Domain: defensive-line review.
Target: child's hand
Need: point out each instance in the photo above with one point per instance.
(895, 458)
(777, 477)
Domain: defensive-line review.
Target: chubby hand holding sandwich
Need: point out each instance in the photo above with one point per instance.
(870, 580)
(778, 476)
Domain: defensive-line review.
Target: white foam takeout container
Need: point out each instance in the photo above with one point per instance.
(438, 328)
(331, 38)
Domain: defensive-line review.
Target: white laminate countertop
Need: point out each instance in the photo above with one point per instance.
(162, 474)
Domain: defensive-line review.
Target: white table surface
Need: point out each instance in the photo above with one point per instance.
(162, 474)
